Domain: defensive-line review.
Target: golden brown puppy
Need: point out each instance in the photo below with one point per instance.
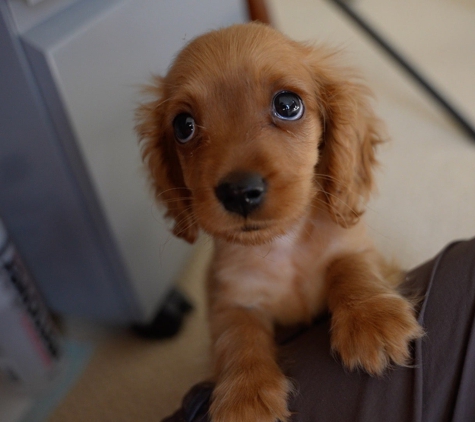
(269, 145)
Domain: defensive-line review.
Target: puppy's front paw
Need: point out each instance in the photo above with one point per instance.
(251, 397)
(375, 332)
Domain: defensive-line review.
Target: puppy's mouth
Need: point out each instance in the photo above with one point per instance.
(251, 234)
(251, 228)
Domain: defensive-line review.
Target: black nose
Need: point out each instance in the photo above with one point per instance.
(241, 193)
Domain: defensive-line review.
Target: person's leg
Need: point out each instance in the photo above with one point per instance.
(440, 384)
(438, 387)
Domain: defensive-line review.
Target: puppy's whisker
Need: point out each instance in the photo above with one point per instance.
(186, 228)
(186, 210)
(327, 205)
(165, 192)
(327, 176)
(329, 194)
(158, 105)
(335, 179)
(166, 201)
(190, 222)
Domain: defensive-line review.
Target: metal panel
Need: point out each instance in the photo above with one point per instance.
(88, 61)
(65, 246)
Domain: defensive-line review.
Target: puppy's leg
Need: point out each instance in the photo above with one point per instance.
(372, 324)
(250, 386)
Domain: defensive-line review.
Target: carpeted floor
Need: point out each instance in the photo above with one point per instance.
(427, 192)
(131, 379)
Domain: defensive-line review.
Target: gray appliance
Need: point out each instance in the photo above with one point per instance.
(73, 193)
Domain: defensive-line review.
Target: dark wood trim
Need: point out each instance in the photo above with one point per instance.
(258, 11)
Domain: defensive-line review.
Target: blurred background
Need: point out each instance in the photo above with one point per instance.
(80, 222)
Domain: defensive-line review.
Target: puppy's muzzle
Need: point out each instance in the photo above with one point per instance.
(241, 193)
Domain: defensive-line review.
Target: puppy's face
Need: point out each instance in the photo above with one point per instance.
(236, 131)
(245, 125)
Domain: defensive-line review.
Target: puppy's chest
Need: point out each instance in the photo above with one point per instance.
(286, 279)
(296, 291)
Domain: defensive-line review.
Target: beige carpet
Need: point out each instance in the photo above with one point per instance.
(134, 380)
(427, 191)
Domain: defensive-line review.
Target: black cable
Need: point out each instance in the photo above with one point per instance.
(455, 114)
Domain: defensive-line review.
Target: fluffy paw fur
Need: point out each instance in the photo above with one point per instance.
(245, 397)
(375, 332)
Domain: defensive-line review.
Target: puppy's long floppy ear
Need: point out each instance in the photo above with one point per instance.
(161, 159)
(351, 131)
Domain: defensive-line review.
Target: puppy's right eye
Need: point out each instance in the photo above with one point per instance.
(184, 127)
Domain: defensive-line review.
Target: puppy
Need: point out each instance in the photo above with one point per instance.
(268, 145)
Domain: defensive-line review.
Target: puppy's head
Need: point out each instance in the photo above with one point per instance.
(249, 131)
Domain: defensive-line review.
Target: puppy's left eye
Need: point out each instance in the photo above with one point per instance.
(287, 105)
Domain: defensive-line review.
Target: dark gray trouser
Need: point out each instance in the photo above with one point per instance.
(440, 386)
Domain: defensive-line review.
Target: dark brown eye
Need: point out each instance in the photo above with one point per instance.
(184, 127)
(287, 105)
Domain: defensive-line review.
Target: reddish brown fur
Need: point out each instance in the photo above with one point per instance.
(309, 249)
